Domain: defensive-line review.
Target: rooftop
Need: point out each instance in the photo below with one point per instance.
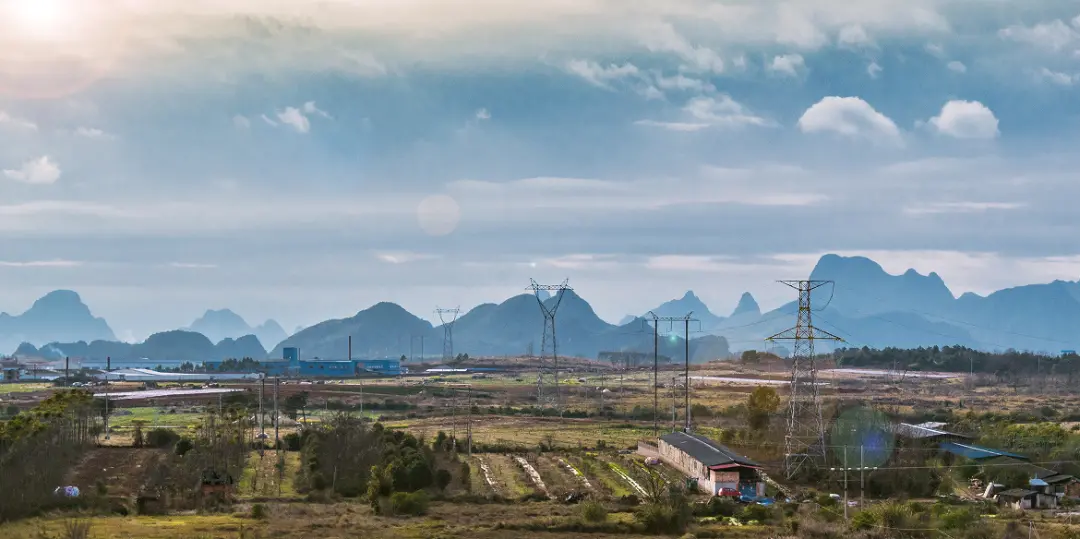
(924, 430)
(706, 451)
(975, 452)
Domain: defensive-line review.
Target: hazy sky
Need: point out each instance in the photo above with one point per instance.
(303, 160)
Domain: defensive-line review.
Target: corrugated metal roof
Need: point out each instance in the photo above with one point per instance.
(975, 452)
(705, 450)
(1017, 493)
(923, 430)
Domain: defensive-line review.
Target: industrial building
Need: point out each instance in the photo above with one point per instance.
(348, 368)
(714, 466)
(148, 375)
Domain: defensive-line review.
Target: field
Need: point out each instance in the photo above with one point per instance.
(523, 465)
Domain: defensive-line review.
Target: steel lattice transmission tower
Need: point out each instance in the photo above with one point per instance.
(549, 307)
(448, 330)
(805, 438)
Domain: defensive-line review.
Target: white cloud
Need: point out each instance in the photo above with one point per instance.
(966, 119)
(686, 127)
(40, 171)
(403, 257)
(956, 66)
(873, 70)
(1056, 77)
(683, 83)
(92, 133)
(599, 75)
(483, 114)
(935, 49)
(854, 36)
(310, 108)
(191, 265)
(268, 121)
(242, 122)
(788, 64)
(962, 207)
(41, 264)
(723, 111)
(1054, 35)
(292, 116)
(7, 119)
(848, 116)
(663, 37)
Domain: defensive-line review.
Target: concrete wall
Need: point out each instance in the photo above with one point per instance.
(691, 467)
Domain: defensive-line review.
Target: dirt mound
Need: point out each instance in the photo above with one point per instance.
(123, 470)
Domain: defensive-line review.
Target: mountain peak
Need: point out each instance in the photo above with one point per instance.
(60, 299)
(689, 295)
(747, 305)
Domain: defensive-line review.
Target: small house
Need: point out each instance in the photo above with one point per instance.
(712, 465)
(1018, 498)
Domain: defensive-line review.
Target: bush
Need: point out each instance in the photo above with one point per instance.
(258, 511)
(183, 446)
(662, 519)
(593, 512)
(161, 438)
(443, 479)
(718, 506)
(292, 441)
(958, 519)
(756, 512)
(405, 503)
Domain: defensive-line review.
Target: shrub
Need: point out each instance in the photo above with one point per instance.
(755, 512)
(183, 446)
(443, 479)
(466, 476)
(258, 511)
(958, 519)
(405, 503)
(663, 519)
(718, 506)
(593, 512)
(160, 437)
(292, 441)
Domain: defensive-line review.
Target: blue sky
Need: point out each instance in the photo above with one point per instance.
(301, 160)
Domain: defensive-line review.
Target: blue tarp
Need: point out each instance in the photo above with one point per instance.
(975, 452)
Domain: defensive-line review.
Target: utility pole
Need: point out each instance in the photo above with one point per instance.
(686, 383)
(805, 438)
(277, 418)
(845, 483)
(862, 477)
(673, 403)
(108, 368)
(656, 361)
(67, 371)
(549, 311)
(468, 424)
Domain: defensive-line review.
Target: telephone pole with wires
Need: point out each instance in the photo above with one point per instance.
(804, 441)
(655, 319)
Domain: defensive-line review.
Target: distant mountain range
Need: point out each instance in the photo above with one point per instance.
(225, 324)
(165, 348)
(866, 306)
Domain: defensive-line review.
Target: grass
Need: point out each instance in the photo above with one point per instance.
(158, 527)
(156, 417)
(23, 387)
(260, 478)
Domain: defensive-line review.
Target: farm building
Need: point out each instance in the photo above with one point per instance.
(711, 464)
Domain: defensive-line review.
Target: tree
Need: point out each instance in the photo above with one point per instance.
(763, 402)
(138, 440)
(295, 402)
(750, 356)
(443, 478)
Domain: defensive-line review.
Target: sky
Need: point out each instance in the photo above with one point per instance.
(304, 160)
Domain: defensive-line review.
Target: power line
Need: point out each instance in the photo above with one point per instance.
(549, 311)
